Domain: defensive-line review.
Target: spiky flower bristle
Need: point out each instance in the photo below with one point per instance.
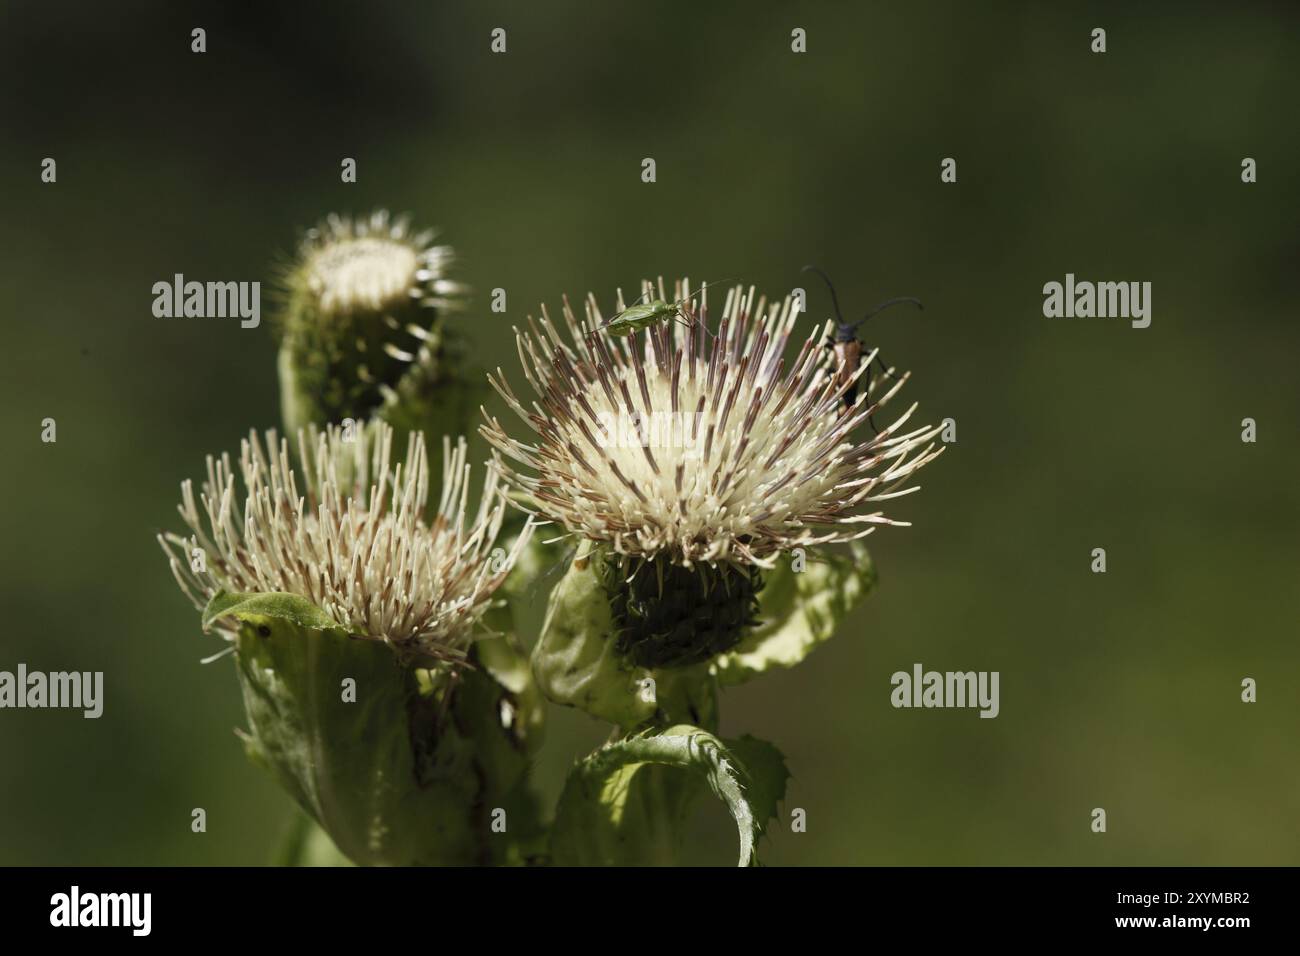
(348, 532)
(732, 460)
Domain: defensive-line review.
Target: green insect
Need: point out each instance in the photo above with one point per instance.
(639, 315)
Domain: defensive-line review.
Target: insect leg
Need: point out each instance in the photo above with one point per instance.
(681, 319)
(897, 300)
(886, 370)
(866, 390)
(690, 325)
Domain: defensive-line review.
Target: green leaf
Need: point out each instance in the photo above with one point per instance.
(767, 776)
(399, 766)
(291, 608)
(306, 844)
(798, 611)
(576, 662)
(617, 808)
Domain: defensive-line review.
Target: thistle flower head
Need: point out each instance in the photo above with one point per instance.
(361, 322)
(348, 532)
(375, 264)
(734, 456)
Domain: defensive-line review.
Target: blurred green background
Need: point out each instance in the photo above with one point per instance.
(1118, 690)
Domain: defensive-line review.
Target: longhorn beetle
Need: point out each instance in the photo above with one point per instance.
(639, 316)
(848, 350)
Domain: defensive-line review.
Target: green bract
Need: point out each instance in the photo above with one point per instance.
(798, 611)
(306, 844)
(580, 660)
(576, 660)
(398, 765)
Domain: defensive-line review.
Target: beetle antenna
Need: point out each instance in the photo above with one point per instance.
(897, 300)
(839, 316)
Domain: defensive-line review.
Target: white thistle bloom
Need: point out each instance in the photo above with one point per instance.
(348, 532)
(750, 460)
